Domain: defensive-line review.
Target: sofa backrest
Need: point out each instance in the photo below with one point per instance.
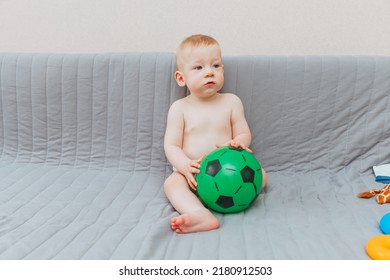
(310, 113)
(109, 110)
(104, 110)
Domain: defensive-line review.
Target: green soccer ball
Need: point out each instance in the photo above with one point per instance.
(229, 180)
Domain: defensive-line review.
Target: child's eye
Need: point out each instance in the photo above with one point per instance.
(198, 67)
(217, 65)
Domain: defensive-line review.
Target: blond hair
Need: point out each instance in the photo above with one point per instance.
(195, 40)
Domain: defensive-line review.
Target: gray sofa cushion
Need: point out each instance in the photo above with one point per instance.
(82, 162)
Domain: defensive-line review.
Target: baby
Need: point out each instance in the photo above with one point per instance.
(196, 125)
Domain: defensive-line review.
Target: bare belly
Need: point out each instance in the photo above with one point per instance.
(195, 147)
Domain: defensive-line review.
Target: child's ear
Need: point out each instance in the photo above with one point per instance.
(179, 79)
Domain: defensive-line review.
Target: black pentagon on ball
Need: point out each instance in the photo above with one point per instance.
(225, 201)
(213, 167)
(238, 149)
(247, 174)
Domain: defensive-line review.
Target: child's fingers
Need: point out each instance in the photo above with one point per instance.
(246, 148)
(194, 167)
(235, 145)
(201, 158)
(192, 182)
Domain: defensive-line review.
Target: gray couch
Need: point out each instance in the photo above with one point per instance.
(82, 163)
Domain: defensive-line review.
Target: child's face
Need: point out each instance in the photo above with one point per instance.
(201, 70)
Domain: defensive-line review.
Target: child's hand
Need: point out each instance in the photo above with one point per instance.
(234, 144)
(193, 168)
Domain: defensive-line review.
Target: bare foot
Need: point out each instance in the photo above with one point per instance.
(200, 220)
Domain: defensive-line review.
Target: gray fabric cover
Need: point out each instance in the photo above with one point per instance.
(82, 162)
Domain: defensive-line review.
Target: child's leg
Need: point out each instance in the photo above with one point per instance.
(265, 178)
(193, 216)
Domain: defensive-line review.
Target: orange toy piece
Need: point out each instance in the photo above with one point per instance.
(383, 195)
(378, 247)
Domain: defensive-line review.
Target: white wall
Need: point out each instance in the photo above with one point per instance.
(286, 27)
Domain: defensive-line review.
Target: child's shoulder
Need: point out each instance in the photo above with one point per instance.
(177, 105)
(231, 97)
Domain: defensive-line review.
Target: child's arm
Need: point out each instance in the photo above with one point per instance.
(241, 134)
(173, 142)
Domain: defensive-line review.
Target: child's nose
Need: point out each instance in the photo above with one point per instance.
(209, 71)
